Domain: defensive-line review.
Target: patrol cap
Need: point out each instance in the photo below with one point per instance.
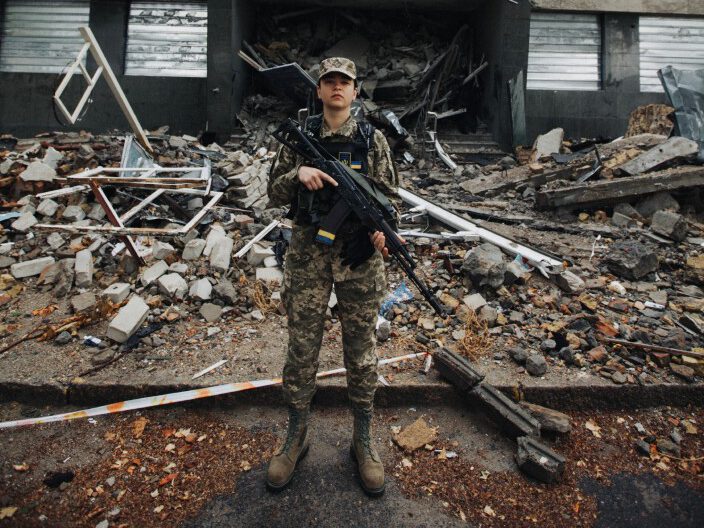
(338, 64)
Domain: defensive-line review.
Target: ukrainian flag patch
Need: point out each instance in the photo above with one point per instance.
(325, 237)
(356, 165)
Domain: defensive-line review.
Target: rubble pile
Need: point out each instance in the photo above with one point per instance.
(173, 275)
(406, 68)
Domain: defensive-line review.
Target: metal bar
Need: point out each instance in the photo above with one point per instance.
(204, 210)
(141, 205)
(534, 257)
(63, 192)
(114, 219)
(653, 348)
(116, 88)
(242, 252)
(135, 231)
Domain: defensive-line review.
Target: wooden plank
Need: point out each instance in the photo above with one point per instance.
(116, 89)
(620, 189)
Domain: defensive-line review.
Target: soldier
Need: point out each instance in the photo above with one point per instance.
(353, 263)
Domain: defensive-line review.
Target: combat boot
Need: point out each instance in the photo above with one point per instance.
(371, 470)
(294, 448)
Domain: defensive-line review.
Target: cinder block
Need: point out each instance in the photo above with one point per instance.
(221, 255)
(29, 268)
(153, 272)
(84, 269)
(128, 319)
(117, 292)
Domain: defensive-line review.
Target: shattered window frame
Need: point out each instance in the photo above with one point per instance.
(176, 46)
(41, 36)
(668, 41)
(559, 58)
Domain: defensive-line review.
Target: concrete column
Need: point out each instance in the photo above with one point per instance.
(108, 21)
(228, 23)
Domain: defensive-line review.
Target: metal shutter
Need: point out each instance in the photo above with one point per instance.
(564, 52)
(167, 39)
(665, 41)
(41, 36)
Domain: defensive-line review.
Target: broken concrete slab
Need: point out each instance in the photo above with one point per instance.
(96, 212)
(415, 436)
(221, 254)
(259, 252)
(661, 201)
(128, 319)
(73, 213)
(179, 267)
(210, 312)
(537, 460)
(631, 260)
(84, 269)
(675, 148)
(619, 189)
(117, 292)
(153, 272)
(52, 157)
(270, 275)
(161, 250)
(226, 291)
(547, 144)
(669, 224)
(38, 171)
(474, 301)
(24, 222)
(173, 285)
(29, 268)
(47, 207)
(193, 249)
(215, 235)
(201, 290)
(83, 302)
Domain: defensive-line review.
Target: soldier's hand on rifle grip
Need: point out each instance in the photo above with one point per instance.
(379, 242)
(314, 179)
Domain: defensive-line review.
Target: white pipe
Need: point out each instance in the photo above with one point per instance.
(534, 257)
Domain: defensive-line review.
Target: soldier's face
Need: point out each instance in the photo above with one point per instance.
(337, 91)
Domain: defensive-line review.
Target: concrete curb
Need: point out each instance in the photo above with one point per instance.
(565, 397)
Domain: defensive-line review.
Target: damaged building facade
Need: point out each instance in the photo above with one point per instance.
(582, 65)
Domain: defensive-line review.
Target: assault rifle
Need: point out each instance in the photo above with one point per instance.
(356, 195)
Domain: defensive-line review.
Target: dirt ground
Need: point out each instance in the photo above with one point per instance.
(199, 466)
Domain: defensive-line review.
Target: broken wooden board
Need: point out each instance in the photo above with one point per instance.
(673, 149)
(621, 189)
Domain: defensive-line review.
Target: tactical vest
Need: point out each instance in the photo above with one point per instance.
(311, 207)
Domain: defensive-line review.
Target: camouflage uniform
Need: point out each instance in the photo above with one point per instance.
(311, 270)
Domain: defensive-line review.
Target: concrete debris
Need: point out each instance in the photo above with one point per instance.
(117, 292)
(210, 312)
(193, 249)
(29, 268)
(631, 260)
(84, 269)
(200, 290)
(24, 223)
(173, 285)
(485, 266)
(38, 171)
(669, 224)
(128, 319)
(152, 273)
(538, 461)
(550, 420)
(162, 250)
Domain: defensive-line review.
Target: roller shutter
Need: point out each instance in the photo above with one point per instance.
(564, 52)
(167, 39)
(666, 41)
(41, 36)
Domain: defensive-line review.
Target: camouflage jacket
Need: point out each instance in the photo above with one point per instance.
(283, 178)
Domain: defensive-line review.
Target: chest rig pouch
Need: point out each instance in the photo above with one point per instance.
(313, 206)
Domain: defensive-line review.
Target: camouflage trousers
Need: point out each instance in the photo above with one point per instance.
(310, 272)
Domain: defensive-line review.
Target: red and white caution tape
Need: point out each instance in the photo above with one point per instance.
(176, 397)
